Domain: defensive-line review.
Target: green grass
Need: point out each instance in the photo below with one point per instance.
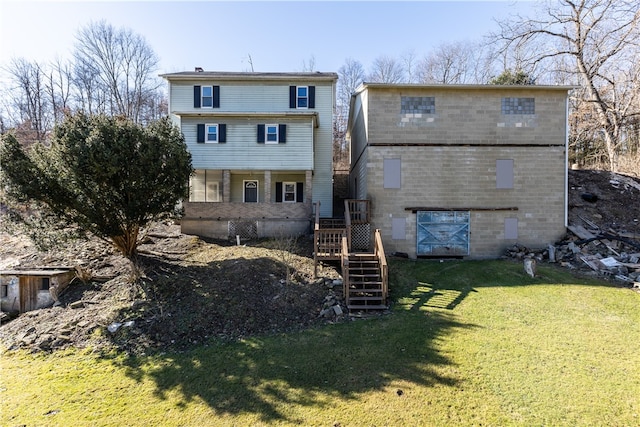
(468, 343)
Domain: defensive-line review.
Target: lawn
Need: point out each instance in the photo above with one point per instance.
(468, 343)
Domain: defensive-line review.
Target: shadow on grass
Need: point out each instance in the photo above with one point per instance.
(262, 375)
(424, 284)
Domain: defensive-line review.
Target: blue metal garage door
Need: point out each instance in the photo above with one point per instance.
(442, 233)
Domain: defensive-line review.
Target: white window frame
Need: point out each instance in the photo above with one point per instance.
(266, 134)
(202, 97)
(285, 192)
(206, 133)
(298, 98)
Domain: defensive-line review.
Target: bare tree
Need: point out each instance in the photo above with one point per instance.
(30, 107)
(309, 66)
(409, 60)
(118, 63)
(59, 88)
(350, 75)
(449, 63)
(601, 37)
(386, 69)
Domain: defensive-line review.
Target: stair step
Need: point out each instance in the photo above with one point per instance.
(367, 307)
(351, 299)
(354, 285)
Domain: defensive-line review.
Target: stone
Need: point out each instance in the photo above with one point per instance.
(338, 310)
(530, 266)
(76, 304)
(113, 328)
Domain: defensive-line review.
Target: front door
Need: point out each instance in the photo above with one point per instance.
(251, 191)
(442, 233)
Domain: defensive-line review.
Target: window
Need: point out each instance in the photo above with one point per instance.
(272, 134)
(504, 174)
(417, 105)
(302, 97)
(4, 291)
(212, 133)
(206, 97)
(518, 106)
(205, 186)
(391, 171)
(289, 192)
(44, 285)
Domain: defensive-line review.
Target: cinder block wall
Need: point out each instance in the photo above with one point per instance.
(448, 161)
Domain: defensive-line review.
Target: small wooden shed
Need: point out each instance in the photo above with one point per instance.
(26, 290)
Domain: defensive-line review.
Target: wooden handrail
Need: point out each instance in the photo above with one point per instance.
(317, 224)
(345, 269)
(384, 268)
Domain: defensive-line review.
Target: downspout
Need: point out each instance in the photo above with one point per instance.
(566, 162)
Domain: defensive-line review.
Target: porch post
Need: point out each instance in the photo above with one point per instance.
(226, 186)
(308, 188)
(267, 186)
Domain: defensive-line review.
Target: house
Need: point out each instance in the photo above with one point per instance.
(460, 170)
(261, 146)
(26, 290)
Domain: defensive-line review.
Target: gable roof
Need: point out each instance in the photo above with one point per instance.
(251, 76)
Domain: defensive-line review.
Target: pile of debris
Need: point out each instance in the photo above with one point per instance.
(610, 254)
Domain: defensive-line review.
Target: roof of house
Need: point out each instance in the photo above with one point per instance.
(226, 75)
(462, 87)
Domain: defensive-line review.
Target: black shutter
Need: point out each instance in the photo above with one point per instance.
(200, 132)
(312, 97)
(278, 192)
(292, 97)
(261, 134)
(299, 192)
(282, 134)
(216, 97)
(196, 97)
(222, 133)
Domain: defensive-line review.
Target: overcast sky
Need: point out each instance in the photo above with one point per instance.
(278, 36)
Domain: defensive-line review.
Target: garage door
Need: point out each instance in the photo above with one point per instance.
(442, 233)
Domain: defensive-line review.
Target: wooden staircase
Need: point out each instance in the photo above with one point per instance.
(364, 288)
(364, 275)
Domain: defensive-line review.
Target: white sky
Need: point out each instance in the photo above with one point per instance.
(279, 36)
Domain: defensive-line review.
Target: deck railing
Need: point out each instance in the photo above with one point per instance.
(327, 241)
(378, 250)
(345, 267)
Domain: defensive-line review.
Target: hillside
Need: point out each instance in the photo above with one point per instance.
(195, 289)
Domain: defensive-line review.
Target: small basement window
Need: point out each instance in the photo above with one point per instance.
(4, 291)
(44, 285)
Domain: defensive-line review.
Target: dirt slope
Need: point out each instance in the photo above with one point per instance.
(195, 289)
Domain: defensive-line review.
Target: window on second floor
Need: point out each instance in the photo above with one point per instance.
(206, 96)
(302, 97)
(518, 106)
(417, 105)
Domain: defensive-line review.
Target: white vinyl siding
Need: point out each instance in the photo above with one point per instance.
(306, 147)
(241, 151)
